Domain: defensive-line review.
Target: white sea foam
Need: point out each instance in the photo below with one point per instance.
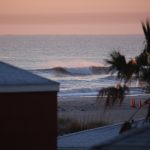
(91, 70)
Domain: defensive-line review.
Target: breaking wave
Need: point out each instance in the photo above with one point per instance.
(93, 70)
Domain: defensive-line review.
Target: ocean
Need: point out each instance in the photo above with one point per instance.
(76, 61)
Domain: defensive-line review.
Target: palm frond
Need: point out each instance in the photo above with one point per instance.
(117, 63)
(145, 77)
(146, 30)
(124, 69)
(113, 95)
(133, 69)
(142, 59)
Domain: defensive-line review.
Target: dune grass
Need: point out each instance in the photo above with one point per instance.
(66, 125)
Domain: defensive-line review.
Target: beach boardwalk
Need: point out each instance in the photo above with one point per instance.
(28, 110)
(87, 139)
(84, 140)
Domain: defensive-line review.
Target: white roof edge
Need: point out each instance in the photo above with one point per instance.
(28, 88)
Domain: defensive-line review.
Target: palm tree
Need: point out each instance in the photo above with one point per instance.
(138, 67)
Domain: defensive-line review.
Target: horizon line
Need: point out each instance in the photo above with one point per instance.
(69, 34)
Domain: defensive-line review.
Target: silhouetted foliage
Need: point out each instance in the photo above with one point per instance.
(113, 95)
(146, 30)
(138, 67)
(124, 69)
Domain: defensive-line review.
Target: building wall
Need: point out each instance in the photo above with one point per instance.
(28, 121)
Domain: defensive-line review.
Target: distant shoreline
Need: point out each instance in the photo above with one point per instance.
(72, 34)
(68, 96)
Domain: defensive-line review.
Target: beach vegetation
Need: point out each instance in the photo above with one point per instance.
(67, 125)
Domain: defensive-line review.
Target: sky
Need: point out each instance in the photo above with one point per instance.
(73, 16)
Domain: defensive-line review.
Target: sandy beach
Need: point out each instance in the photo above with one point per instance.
(87, 109)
